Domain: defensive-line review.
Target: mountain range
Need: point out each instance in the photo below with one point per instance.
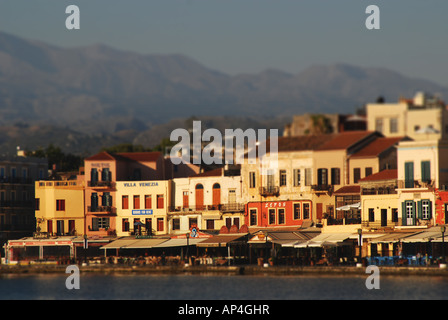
(96, 95)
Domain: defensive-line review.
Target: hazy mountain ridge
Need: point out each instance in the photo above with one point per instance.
(97, 89)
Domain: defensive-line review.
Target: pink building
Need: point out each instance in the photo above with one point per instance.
(102, 171)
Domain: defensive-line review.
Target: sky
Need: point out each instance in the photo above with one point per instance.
(250, 36)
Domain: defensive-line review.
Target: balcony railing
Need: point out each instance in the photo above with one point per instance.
(101, 184)
(321, 187)
(405, 184)
(230, 207)
(380, 190)
(269, 191)
(102, 209)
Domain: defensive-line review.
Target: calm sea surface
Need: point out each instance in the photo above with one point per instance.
(213, 287)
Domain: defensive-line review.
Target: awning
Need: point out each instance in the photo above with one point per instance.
(145, 243)
(325, 240)
(424, 236)
(132, 243)
(220, 240)
(391, 237)
(179, 242)
(348, 207)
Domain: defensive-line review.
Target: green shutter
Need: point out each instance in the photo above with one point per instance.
(403, 213)
(430, 210)
(413, 212)
(409, 174)
(426, 174)
(420, 210)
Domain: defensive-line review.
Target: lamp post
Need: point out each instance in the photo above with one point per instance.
(359, 264)
(443, 229)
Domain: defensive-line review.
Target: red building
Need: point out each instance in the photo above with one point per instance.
(278, 213)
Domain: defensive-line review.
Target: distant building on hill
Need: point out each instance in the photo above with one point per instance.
(315, 124)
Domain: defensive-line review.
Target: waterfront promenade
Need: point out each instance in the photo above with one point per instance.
(249, 270)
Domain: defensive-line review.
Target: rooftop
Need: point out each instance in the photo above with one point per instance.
(389, 174)
(377, 147)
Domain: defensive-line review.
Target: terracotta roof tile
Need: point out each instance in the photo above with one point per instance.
(210, 173)
(377, 146)
(345, 140)
(388, 174)
(348, 189)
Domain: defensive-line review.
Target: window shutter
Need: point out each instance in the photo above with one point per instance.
(403, 213)
(95, 224)
(413, 212)
(420, 210)
(430, 210)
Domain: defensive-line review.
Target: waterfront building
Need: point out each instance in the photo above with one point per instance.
(209, 201)
(60, 208)
(102, 173)
(421, 118)
(282, 196)
(422, 169)
(379, 200)
(17, 177)
(142, 207)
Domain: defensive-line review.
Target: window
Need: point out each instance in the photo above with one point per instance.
(60, 227)
(106, 199)
(159, 224)
(426, 173)
(282, 178)
(296, 173)
(60, 205)
(160, 201)
(306, 211)
(368, 171)
(37, 204)
(393, 125)
(356, 175)
(335, 176)
(192, 222)
(271, 216)
(125, 202)
(148, 201)
(408, 209)
(98, 223)
(307, 176)
(296, 211)
(371, 215)
(379, 125)
(409, 174)
(253, 217)
(394, 215)
(281, 216)
(136, 202)
(425, 210)
(210, 224)
(252, 180)
(322, 177)
(125, 225)
(176, 224)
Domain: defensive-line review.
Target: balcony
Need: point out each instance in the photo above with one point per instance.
(102, 210)
(269, 191)
(379, 190)
(322, 188)
(230, 207)
(101, 184)
(410, 184)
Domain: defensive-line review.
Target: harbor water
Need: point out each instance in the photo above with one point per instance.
(219, 287)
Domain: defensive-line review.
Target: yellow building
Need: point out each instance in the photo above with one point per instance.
(60, 207)
(420, 118)
(379, 200)
(142, 207)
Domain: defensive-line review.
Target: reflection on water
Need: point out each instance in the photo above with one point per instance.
(213, 287)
